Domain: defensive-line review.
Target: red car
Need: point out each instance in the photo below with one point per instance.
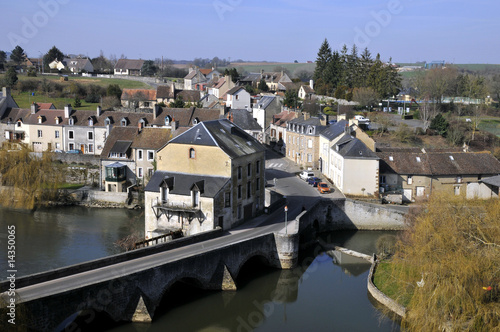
(323, 188)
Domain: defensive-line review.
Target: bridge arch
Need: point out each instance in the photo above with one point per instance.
(253, 258)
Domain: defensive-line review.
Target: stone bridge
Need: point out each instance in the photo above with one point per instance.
(132, 290)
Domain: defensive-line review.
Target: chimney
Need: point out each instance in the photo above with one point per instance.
(347, 129)
(5, 91)
(99, 111)
(156, 111)
(67, 111)
(33, 107)
(306, 115)
(311, 84)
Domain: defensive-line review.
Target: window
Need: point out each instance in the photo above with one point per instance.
(227, 199)
(382, 179)
(239, 172)
(150, 171)
(249, 189)
(164, 194)
(167, 120)
(239, 191)
(107, 122)
(91, 122)
(124, 122)
(309, 158)
(249, 170)
(91, 148)
(410, 179)
(459, 178)
(151, 155)
(39, 132)
(195, 195)
(139, 172)
(457, 190)
(71, 146)
(58, 146)
(71, 134)
(192, 153)
(257, 167)
(146, 104)
(139, 154)
(90, 135)
(19, 123)
(310, 143)
(71, 121)
(257, 184)
(56, 133)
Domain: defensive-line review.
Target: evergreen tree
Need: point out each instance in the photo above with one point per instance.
(334, 72)
(3, 57)
(10, 77)
(352, 67)
(18, 55)
(177, 103)
(263, 86)
(77, 102)
(322, 60)
(53, 54)
(365, 63)
(291, 99)
(439, 124)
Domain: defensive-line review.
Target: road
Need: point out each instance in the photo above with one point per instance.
(298, 194)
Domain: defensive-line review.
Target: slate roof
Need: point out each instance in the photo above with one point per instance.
(182, 183)
(129, 64)
(264, 102)
(121, 146)
(334, 130)
(435, 163)
(251, 77)
(191, 74)
(151, 138)
(243, 119)
(307, 89)
(234, 141)
(234, 90)
(494, 181)
(77, 63)
(131, 93)
(353, 148)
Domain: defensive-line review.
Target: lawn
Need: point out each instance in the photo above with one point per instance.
(25, 99)
(491, 126)
(384, 282)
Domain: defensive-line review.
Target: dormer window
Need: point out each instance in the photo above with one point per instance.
(91, 122)
(71, 121)
(107, 121)
(39, 119)
(195, 121)
(57, 119)
(167, 120)
(310, 131)
(192, 153)
(124, 122)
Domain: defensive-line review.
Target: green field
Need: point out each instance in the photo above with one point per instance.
(25, 99)
(250, 67)
(491, 126)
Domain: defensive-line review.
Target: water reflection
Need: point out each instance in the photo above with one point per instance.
(52, 238)
(321, 294)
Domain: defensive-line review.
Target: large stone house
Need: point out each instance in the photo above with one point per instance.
(277, 129)
(138, 98)
(210, 176)
(237, 98)
(302, 140)
(194, 79)
(417, 175)
(264, 109)
(128, 67)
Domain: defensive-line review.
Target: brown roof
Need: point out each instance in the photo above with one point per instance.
(129, 64)
(118, 134)
(282, 118)
(131, 93)
(165, 91)
(206, 71)
(45, 106)
(307, 89)
(185, 116)
(151, 138)
(192, 96)
(435, 163)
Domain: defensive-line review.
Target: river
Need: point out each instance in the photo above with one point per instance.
(326, 292)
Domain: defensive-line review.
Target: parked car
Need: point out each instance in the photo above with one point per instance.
(304, 175)
(314, 181)
(75, 151)
(323, 188)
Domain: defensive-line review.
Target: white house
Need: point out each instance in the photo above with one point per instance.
(238, 98)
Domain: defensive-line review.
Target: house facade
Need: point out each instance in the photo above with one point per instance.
(237, 98)
(138, 98)
(210, 176)
(418, 175)
(302, 141)
(128, 67)
(77, 66)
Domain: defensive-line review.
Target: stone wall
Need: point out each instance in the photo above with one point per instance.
(369, 216)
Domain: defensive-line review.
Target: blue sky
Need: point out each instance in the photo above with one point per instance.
(456, 31)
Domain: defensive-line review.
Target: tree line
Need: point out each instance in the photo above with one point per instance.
(341, 74)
